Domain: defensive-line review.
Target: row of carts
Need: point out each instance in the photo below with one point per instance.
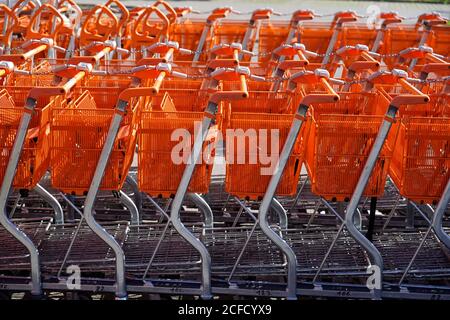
(163, 152)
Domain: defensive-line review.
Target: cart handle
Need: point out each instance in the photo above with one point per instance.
(125, 13)
(420, 53)
(367, 62)
(390, 18)
(302, 15)
(291, 50)
(143, 20)
(76, 8)
(12, 23)
(85, 32)
(32, 33)
(262, 13)
(342, 17)
(21, 4)
(415, 96)
(318, 77)
(172, 14)
(219, 13)
(430, 18)
(37, 92)
(438, 68)
(182, 11)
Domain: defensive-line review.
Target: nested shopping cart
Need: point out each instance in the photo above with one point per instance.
(421, 152)
(366, 144)
(25, 155)
(175, 145)
(430, 30)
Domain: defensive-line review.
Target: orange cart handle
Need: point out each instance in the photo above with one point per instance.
(13, 22)
(76, 7)
(438, 68)
(125, 13)
(143, 21)
(31, 31)
(20, 3)
(37, 92)
(93, 13)
(171, 14)
(302, 15)
(242, 93)
(416, 96)
(329, 96)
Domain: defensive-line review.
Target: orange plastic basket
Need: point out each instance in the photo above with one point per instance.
(78, 133)
(251, 130)
(271, 35)
(34, 158)
(161, 163)
(339, 142)
(420, 165)
(187, 34)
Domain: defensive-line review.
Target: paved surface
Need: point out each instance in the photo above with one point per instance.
(409, 9)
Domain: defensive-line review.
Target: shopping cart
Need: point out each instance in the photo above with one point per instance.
(374, 165)
(393, 38)
(273, 34)
(25, 158)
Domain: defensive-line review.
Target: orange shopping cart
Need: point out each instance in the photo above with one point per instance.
(25, 119)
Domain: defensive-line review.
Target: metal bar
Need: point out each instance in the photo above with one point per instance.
(311, 218)
(92, 193)
(179, 197)
(161, 210)
(131, 206)
(333, 40)
(297, 196)
(13, 211)
(373, 252)
(377, 41)
(282, 216)
(72, 241)
(371, 226)
(36, 286)
(336, 237)
(391, 213)
(136, 192)
(415, 255)
(204, 208)
(247, 36)
(439, 216)
(52, 201)
(202, 40)
(241, 253)
(269, 195)
(161, 238)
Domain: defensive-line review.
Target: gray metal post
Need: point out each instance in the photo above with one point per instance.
(8, 178)
(92, 193)
(270, 193)
(378, 39)
(373, 252)
(439, 216)
(204, 208)
(247, 36)
(333, 40)
(129, 204)
(281, 213)
(52, 201)
(179, 197)
(137, 193)
(202, 40)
